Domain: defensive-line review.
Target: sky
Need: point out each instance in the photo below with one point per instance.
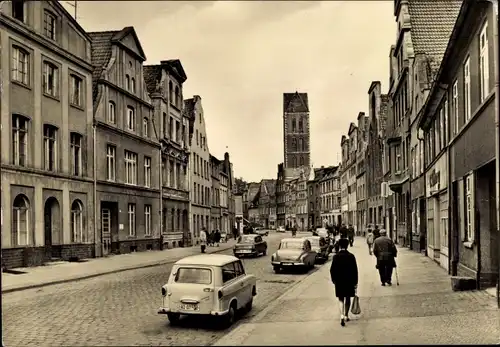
(240, 57)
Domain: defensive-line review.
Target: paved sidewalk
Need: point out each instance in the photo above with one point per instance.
(61, 272)
(421, 310)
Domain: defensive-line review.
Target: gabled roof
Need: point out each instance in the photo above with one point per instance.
(189, 108)
(269, 186)
(295, 102)
(152, 75)
(352, 127)
(431, 26)
(102, 44)
(70, 18)
(174, 66)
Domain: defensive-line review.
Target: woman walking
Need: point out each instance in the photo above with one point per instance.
(344, 275)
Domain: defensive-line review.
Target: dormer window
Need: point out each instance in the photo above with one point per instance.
(49, 25)
(19, 10)
(127, 82)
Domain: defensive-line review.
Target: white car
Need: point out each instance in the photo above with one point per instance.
(280, 229)
(208, 284)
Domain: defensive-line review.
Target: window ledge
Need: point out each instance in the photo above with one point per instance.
(20, 84)
(468, 244)
(76, 106)
(53, 97)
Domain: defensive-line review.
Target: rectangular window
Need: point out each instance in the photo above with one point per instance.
(197, 138)
(112, 112)
(446, 121)
(50, 148)
(147, 171)
(76, 91)
(441, 129)
(76, 154)
(20, 65)
(147, 220)
(398, 158)
(172, 129)
(165, 125)
(49, 25)
(469, 208)
(467, 105)
(177, 132)
(130, 118)
(50, 79)
(131, 219)
(484, 67)
(454, 106)
(111, 163)
(130, 167)
(19, 10)
(19, 140)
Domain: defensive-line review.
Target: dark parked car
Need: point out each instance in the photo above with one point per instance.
(321, 247)
(250, 245)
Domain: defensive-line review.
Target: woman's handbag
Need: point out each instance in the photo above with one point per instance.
(355, 308)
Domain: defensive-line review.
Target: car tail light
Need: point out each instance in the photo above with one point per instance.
(220, 294)
(163, 291)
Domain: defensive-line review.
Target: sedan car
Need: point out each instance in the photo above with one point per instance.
(293, 252)
(208, 284)
(280, 229)
(250, 245)
(321, 247)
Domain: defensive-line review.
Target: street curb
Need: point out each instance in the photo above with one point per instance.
(75, 279)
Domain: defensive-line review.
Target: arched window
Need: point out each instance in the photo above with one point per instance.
(19, 139)
(171, 91)
(301, 125)
(294, 162)
(294, 145)
(112, 112)
(145, 127)
(301, 144)
(20, 221)
(294, 125)
(127, 82)
(202, 196)
(179, 220)
(77, 222)
(177, 96)
(132, 86)
(301, 161)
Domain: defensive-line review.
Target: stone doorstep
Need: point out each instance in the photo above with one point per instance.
(90, 273)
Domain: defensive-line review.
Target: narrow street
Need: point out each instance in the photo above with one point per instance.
(120, 309)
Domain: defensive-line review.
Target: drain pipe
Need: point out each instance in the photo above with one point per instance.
(497, 137)
(97, 245)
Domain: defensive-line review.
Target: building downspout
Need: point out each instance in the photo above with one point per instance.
(97, 245)
(160, 179)
(421, 142)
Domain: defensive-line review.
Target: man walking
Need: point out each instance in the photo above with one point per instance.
(350, 235)
(344, 275)
(376, 232)
(343, 232)
(386, 252)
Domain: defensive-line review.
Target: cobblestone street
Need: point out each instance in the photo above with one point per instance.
(421, 310)
(120, 309)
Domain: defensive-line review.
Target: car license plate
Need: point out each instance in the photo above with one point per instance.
(189, 307)
(244, 251)
(286, 263)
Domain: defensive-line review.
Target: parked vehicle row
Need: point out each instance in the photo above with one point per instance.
(217, 285)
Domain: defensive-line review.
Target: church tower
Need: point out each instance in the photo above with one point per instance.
(296, 130)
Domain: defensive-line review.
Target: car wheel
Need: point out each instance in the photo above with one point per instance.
(249, 305)
(277, 269)
(230, 315)
(173, 318)
(264, 253)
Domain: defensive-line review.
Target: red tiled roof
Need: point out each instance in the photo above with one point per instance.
(431, 24)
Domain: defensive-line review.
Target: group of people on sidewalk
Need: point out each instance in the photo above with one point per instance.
(209, 239)
(344, 268)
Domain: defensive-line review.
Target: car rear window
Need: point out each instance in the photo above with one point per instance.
(246, 239)
(193, 275)
(291, 244)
